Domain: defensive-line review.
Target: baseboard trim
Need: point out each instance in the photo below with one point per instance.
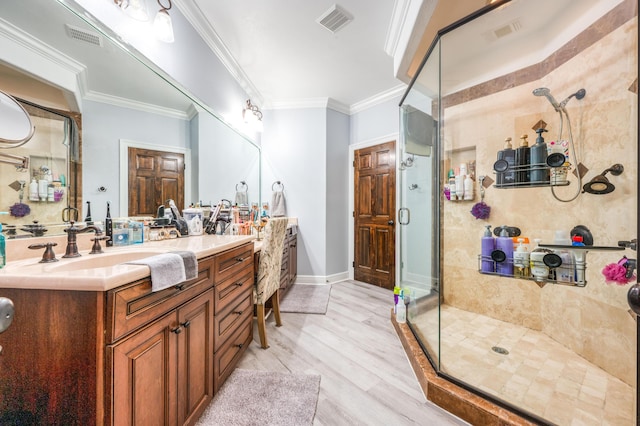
(319, 279)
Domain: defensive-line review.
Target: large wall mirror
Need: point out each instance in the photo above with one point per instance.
(61, 65)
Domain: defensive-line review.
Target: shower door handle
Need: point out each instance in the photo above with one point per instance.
(400, 221)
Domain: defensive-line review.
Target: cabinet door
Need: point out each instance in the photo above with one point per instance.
(195, 357)
(143, 372)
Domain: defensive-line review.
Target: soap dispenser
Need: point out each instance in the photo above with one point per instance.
(504, 244)
(523, 161)
(487, 246)
(539, 170)
(509, 155)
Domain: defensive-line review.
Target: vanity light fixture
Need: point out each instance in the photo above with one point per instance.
(136, 9)
(257, 114)
(162, 24)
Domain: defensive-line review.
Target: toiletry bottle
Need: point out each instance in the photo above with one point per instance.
(468, 188)
(539, 270)
(504, 243)
(579, 256)
(452, 185)
(566, 271)
(523, 161)
(108, 226)
(33, 190)
(487, 245)
(521, 260)
(3, 253)
(509, 155)
(539, 168)
(401, 309)
(459, 185)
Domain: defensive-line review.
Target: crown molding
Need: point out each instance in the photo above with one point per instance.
(396, 25)
(139, 106)
(309, 103)
(195, 17)
(23, 51)
(378, 99)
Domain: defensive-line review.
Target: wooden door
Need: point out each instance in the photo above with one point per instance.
(374, 213)
(144, 368)
(154, 177)
(195, 358)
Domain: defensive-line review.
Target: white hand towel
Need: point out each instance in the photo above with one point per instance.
(242, 198)
(167, 269)
(278, 208)
(190, 263)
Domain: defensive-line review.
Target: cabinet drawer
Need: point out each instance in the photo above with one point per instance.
(233, 261)
(228, 356)
(229, 291)
(233, 318)
(131, 306)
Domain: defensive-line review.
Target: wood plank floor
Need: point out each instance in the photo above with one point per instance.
(366, 378)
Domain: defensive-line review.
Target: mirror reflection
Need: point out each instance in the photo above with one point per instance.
(55, 61)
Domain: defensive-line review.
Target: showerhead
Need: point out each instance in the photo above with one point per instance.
(578, 95)
(543, 91)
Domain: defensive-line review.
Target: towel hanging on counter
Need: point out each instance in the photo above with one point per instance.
(278, 205)
(167, 269)
(190, 263)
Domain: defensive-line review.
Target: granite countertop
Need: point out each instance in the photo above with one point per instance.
(101, 272)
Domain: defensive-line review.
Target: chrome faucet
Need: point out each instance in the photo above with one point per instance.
(72, 231)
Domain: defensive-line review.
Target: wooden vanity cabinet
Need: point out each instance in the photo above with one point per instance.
(163, 372)
(128, 356)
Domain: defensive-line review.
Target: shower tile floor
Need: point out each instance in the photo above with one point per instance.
(539, 374)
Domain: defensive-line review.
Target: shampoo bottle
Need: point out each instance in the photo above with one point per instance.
(579, 256)
(539, 270)
(459, 179)
(566, 271)
(401, 309)
(521, 260)
(539, 169)
(468, 188)
(33, 190)
(523, 161)
(487, 245)
(504, 243)
(509, 155)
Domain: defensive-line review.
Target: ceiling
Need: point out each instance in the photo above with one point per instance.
(290, 59)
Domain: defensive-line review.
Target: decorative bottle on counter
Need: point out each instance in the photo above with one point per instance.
(523, 161)
(539, 169)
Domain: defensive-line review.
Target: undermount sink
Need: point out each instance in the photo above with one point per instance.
(103, 260)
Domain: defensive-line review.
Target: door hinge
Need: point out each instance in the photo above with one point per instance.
(184, 167)
(353, 264)
(354, 163)
(353, 214)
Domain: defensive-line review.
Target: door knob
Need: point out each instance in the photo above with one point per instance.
(390, 222)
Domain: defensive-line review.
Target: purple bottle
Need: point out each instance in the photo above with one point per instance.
(487, 244)
(505, 243)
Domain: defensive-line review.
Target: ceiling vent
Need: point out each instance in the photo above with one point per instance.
(503, 31)
(335, 18)
(83, 35)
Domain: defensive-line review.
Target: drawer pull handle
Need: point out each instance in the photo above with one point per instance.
(179, 287)
(239, 345)
(177, 330)
(239, 259)
(186, 324)
(239, 284)
(238, 312)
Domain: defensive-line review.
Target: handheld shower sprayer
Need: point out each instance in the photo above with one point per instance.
(543, 91)
(578, 95)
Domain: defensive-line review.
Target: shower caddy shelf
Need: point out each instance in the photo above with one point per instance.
(529, 168)
(570, 269)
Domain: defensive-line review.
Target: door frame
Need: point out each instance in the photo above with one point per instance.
(125, 144)
(351, 219)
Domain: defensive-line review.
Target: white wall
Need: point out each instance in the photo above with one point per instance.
(294, 151)
(375, 122)
(337, 192)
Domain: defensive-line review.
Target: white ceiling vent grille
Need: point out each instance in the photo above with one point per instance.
(83, 35)
(503, 31)
(335, 18)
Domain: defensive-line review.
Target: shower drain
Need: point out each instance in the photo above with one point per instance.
(499, 350)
